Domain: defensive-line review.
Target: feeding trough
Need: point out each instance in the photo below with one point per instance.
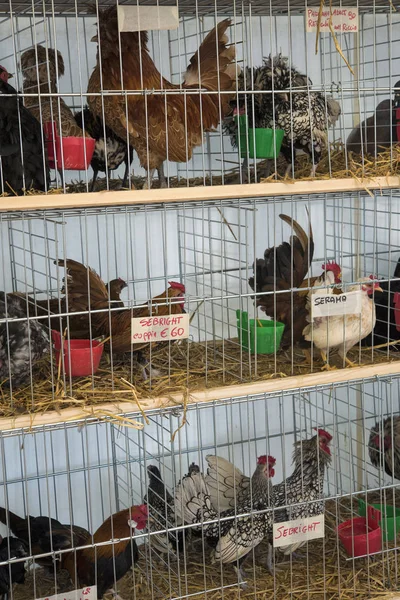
(258, 142)
(260, 335)
(362, 535)
(390, 519)
(68, 153)
(81, 357)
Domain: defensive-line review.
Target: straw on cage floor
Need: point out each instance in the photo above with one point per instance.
(185, 367)
(321, 571)
(337, 164)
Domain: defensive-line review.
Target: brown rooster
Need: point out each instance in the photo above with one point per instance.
(285, 267)
(78, 326)
(87, 292)
(40, 73)
(160, 126)
(105, 564)
(384, 446)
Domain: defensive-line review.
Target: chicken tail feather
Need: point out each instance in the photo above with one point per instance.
(13, 521)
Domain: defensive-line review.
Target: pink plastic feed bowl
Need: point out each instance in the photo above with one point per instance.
(362, 535)
(81, 357)
(71, 153)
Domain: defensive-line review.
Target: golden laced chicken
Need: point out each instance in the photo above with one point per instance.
(87, 293)
(160, 127)
(231, 536)
(285, 267)
(41, 67)
(342, 332)
(384, 446)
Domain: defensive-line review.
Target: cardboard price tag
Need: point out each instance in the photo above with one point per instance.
(299, 530)
(146, 18)
(344, 19)
(160, 329)
(88, 593)
(331, 305)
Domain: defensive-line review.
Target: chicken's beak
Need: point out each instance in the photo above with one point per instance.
(284, 96)
(95, 39)
(10, 75)
(379, 289)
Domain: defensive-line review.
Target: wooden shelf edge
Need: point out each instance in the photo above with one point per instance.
(192, 194)
(51, 418)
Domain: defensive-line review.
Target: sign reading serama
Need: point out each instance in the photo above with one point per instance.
(332, 305)
(298, 530)
(160, 329)
(344, 19)
(87, 593)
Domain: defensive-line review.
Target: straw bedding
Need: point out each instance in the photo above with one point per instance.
(321, 572)
(185, 367)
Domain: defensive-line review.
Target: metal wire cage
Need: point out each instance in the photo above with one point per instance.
(81, 475)
(31, 32)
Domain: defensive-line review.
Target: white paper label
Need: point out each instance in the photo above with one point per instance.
(160, 329)
(88, 593)
(145, 18)
(344, 19)
(331, 305)
(299, 530)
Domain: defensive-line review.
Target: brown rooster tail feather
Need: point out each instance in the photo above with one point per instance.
(12, 520)
(307, 242)
(213, 65)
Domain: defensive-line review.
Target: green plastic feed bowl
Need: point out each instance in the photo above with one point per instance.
(261, 336)
(390, 522)
(259, 142)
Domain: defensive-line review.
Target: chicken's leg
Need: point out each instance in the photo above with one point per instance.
(126, 174)
(241, 575)
(326, 366)
(115, 595)
(161, 176)
(349, 363)
(307, 357)
(149, 179)
(243, 171)
(95, 173)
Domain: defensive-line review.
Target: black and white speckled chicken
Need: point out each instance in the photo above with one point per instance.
(301, 494)
(22, 162)
(11, 548)
(162, 515)
(231, 535)
(229, 487)
(22, 343)
(110, 150)
(384, 446)
(304, 116)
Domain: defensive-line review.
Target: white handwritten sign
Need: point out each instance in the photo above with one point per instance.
(299, 530)
(88, 593)
(344, 19)
(145, 18)
(331, 305)
(160, 329)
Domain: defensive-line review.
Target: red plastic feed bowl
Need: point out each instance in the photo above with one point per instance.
(81, 357)
(76, 154)
(361, 536)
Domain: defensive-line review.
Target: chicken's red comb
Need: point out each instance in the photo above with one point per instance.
(271, 460)
(374, 277)
(324, 433)
(331, 265)
(175, 285)
(143, 509)
(262, 460)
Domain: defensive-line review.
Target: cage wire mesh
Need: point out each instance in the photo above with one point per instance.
(81, 475)
(248, 318)
(156, 119)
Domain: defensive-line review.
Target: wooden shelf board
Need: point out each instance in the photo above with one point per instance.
(192, 194)
(294, 383)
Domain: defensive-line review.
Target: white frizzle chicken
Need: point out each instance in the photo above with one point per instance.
(342, 332)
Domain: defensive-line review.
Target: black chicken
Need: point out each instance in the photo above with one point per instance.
(22, 343)
(43, 534)
(109, 152)
(379, 131)
(11, 548)
(387, 306)
(384, 446)
(161, 515)
(20, 171)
